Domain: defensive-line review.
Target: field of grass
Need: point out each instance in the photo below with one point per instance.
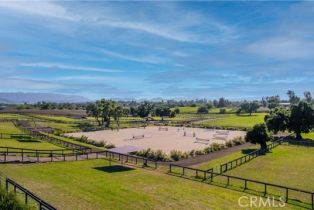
(308, 135)
(8, 127)
(95, 185)
(286, 165)
(57, 118)
(215, 163)
(235, 121)
(72, 141)
(40, 145)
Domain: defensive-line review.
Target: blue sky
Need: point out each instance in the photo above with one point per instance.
(181, 50)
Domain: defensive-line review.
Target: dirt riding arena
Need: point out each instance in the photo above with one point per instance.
(163, 138)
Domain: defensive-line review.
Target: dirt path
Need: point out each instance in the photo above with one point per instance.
(213, 155)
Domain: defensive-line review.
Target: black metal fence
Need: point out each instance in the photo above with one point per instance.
(295, 196)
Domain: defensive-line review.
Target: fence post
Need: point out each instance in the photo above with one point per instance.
(287, 195)
(183, 171)
(5, 158)
(170, 168)
(22, 154)
(245, 184)
(228, 180)
(75, 156)
(63, 157)
(265, 189)
(50, 156)
(37, 155)
(97, 156)
(26, 198)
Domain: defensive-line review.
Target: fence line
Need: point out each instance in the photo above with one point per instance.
(41, 204)
(266, 187)
(50, 156)
(246, 158)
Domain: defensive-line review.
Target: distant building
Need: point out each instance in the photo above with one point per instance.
(284, 104)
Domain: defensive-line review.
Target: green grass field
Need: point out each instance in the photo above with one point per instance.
(308, 135)
(235, 121)
(97, 185)
(41, 145)
(285, 165)
(8, 127)
(215, 163)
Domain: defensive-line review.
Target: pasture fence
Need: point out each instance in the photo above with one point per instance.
(29, 197)
(11, 154)
(279, 192)
(51, 139)
(250, 156)
(14, 136)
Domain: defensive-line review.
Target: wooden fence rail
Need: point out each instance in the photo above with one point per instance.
(28, 195)
(23, 155)
(246, 158)
(263, 188)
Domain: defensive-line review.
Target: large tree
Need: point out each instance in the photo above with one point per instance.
(308, 96)
(301, 118)
(249, 107)
(258, 135)
(102, 110)
(162, 111)
(145, 109)
(278, 119)
(293, 99)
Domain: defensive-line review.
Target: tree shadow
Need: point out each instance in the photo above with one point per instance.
(247, 151)
(114, 169)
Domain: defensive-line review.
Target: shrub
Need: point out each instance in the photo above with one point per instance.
(9, 201)
(178, 155)
(238, 141)
(202, 110)
(222, 111)
(229, 144)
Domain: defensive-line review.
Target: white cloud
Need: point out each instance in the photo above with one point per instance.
(283, 48)
(69, 67)
(11, 84)
(144, 59)
(173, 30)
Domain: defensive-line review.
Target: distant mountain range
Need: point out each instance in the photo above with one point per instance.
(20, 97)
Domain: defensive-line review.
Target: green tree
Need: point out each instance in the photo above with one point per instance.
(202, 110)
(177, 110)
(162, 111)
(118, 112)
(272, 101)
(308, 96)
(145, 109)
(278, 119)
(249, 107)
(258, 135)
(293, 99)
(301, 118)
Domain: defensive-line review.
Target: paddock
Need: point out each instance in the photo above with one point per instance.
(162, 138)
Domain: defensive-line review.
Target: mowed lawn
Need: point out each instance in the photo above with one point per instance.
(215, 163)
(285, 165)
(95, 185)
(9, 128)
(235, 121)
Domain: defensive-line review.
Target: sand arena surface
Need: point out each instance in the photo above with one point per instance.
(165, 140)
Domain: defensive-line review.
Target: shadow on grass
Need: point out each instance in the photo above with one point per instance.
(114, 169)
(247, 151)
(28, 140)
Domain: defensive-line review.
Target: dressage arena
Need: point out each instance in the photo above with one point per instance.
(163, 138)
